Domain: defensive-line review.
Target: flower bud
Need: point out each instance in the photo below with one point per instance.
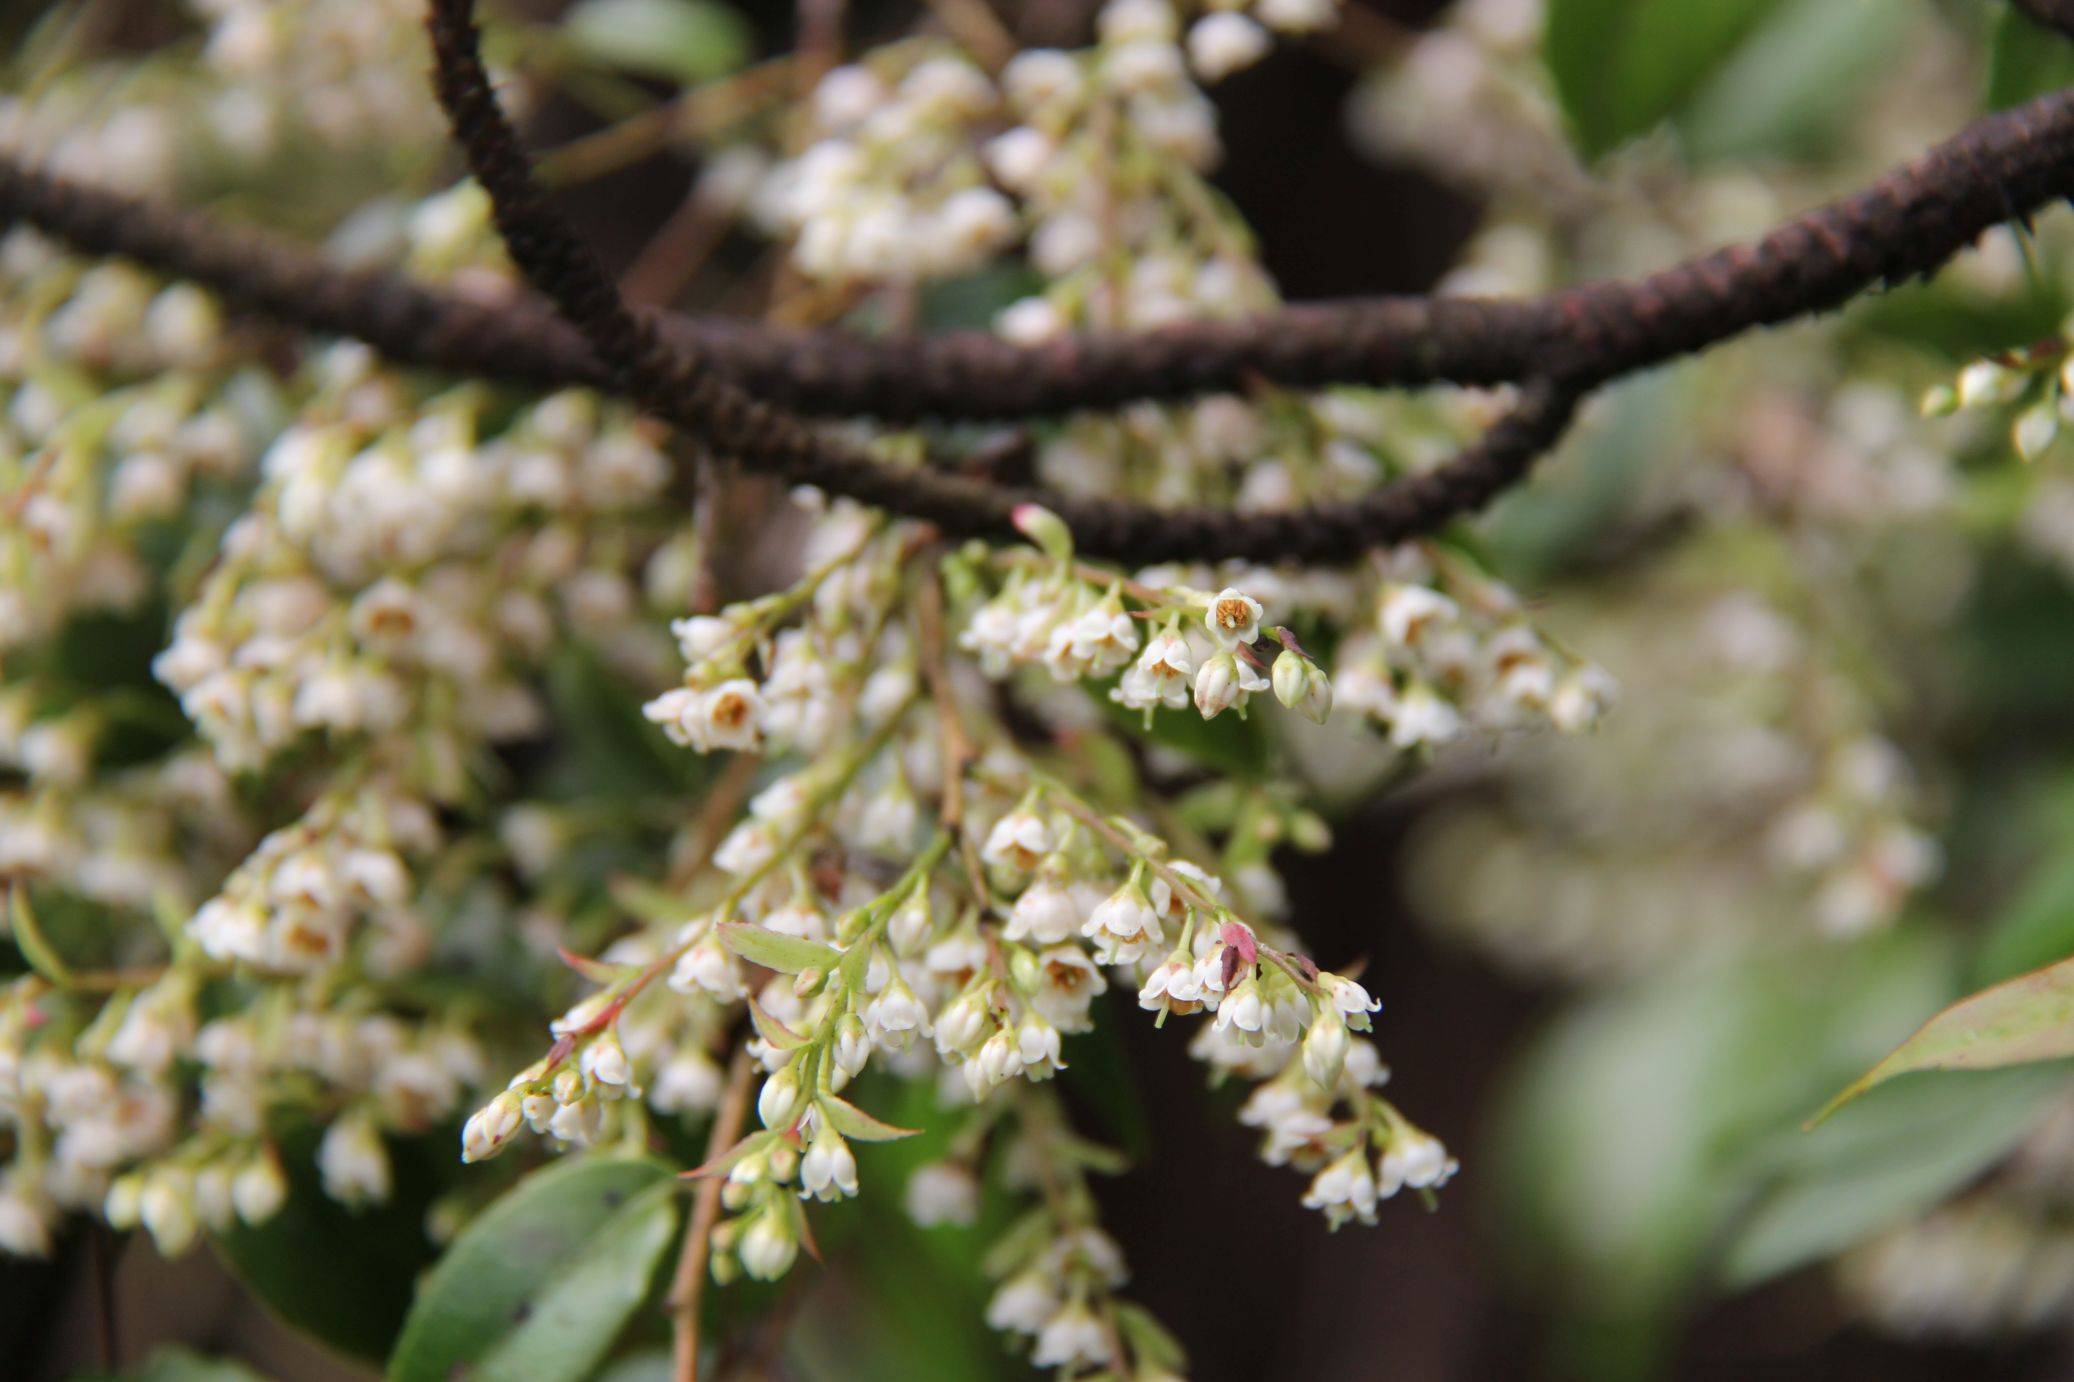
(1037, 1043)
(1325, 1048)
(828, 1171)
(605, 1063)
(167, 1210)
(492, 1126)
(768, 1247)
(852, 1045)
(1291, 677)
(1217, 685)
(125, 1200)
(1984, 382)
(2035, 429)
(1045, 529)
(260, 1189)
(778, 1103)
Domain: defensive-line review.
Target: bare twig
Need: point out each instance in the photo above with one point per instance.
(688, 1286)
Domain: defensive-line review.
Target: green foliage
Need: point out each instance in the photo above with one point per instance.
(1235, 745)
(2017, 1022)
(2026, 60)
(854, 1123)
(342, 1275)
(1623, 66)
(540, 1286)
(1798, 77)
(2037, 929)
(603, 743)
(1646, 1119)
(775, 950)
(688, 41)
(1886, 1159)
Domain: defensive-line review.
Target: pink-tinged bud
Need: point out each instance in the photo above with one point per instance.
(1045, 529)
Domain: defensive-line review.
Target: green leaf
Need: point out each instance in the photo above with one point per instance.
(567, 1244)
(689, 41)
(1624, 1148)
(1883, 1161)
(581, 1311)
(1800, 75)
(2022, 1020)
(1148, 1338)
(785, 954)
(343, 1275)
(725, 1162)
(1233, 745)
(857, 1125)
(2026, 60)
(1622, 66)
(774, 1032)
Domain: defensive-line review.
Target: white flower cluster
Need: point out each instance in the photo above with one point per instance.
(1449, 647)
(1200, 648)
(844, 650)
(398, 573)
(105, 1097)
(890, 189)
(1850, 836)
(916, 158)
(1751, 794)
(168, 413)
(396, 582)
(294, 905)
(273, 76)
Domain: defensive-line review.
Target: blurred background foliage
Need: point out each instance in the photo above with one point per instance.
(1640, 1199)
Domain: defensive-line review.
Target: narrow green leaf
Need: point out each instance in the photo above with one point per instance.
(1883, 1161)
(1149, 1339)
(506, 1266)
(2026, 60)
(2026, 1019)
(776, 1033)
(725, 1162)
(854, 1123)
(685, 40)
(786, 954)
(575, 1318)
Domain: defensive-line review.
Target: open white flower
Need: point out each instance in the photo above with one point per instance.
(1232, 617)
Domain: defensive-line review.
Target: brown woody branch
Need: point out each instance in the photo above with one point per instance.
(736, 387)
(1909, 222)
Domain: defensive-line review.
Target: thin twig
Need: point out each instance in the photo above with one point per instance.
(689, 1283)
(957, 747)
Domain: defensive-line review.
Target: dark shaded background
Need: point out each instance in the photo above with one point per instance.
(1224, 1253)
